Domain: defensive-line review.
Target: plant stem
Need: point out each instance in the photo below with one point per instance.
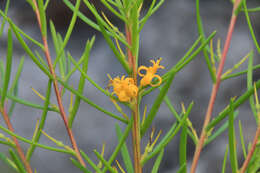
(251, 152)
(214, 90)
(135, 110)
(136, 140)
(57, 92)
(18, 147)
(131, 58)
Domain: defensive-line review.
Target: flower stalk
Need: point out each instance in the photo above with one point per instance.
(127, 90)
(136, 138)
(18, 147)
(56, 88)
(215, 88)
(256, 138)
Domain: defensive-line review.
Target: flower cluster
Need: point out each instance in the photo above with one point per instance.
(149, 74)
(125, 88)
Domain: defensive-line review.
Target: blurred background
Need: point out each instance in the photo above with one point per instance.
(169, 33)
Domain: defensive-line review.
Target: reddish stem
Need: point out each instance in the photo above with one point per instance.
(251, 152)
(214, 90)
(18, 147)
(131, 58)
(56, 88)
(136, 127)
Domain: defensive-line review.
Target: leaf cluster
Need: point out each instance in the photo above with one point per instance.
(124, 44)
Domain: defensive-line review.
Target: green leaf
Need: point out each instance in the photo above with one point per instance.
(254, 165)
(177, 116)
(239, 73)
(113, 10)
(54, 37)
(182, 167)
(169, 136)
(81, 84)
(250, 84)
(187, 54)
(2, 71)
(62, 59)
(126, 4)
(201, 32)
(69, 31)
(124, 151)
(250, 26)
(26, 48)
(183, 148)
(18, 30)
(17, 75)
(232, 140)
(90, 102)
(39, 57)
(78, 165)
(92, 164)
(17, 161)
(225, 161)
(256, 9)
(37, 144)
(12, 105)
(82, 16)
(37, 136)
(156, 105)
(238, 8)
(29, 104)
(46, 4)
(42, 18)
(244, 97)
(157, 162)
(120, 143)
(119, 57)
(184, 60)
(8, 67)
(219, 131)
(134, 33)
(107, 165)
(7, 143)
(150, 11)
(31, 4)
(14, 86)
(87, 77)
(8, 162)
(93, 24)
(104, 24)
(148, 14)
(4, 20)
(119, 6)
(28, 37)
(242, 139)
(74, 69)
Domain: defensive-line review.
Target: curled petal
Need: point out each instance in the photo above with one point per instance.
(142, 68)
(146, 80)
(150, 73)
(158, 83)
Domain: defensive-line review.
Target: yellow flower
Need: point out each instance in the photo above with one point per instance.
(149, 74)
(124, 88)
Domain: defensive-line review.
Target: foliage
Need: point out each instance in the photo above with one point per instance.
(127, 90)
